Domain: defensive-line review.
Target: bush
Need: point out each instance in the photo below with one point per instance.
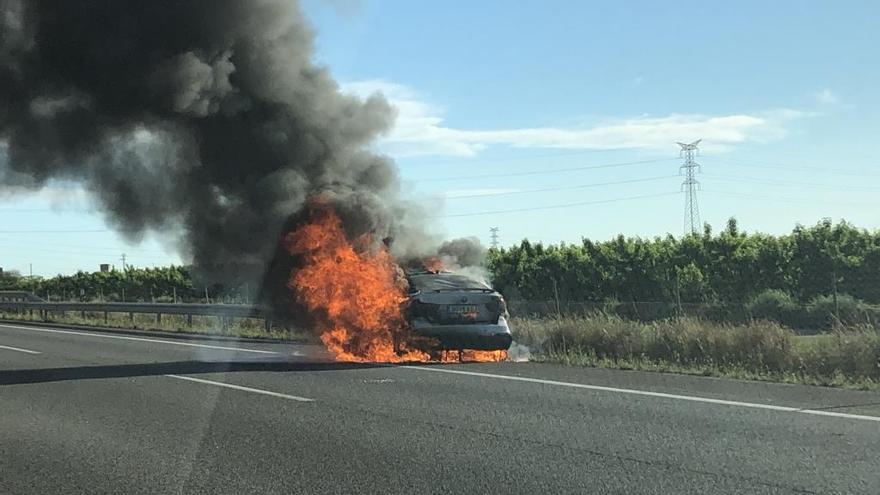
(759, 346)
(848, 311)
(852, 353)
(607, 336)
(820, 314)
(778, 306)
(642, 311)
(762, 346)
(771, 304)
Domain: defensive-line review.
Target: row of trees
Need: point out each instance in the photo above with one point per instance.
(725, 268)
(163, 284)
(730, 267)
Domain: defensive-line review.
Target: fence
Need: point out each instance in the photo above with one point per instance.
(635, 310)
(822, 313)
(224, 313)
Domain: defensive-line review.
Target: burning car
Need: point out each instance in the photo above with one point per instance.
(451, 311)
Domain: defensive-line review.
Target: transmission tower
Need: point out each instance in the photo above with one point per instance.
(494, 236)
(690, 186)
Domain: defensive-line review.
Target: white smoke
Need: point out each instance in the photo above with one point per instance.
(518, 353)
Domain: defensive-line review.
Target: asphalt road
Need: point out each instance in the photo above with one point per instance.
(84, 412)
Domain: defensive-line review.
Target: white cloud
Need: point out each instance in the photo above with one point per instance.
(346, 8)
(827, 97)
(60, 196)
(420, 130)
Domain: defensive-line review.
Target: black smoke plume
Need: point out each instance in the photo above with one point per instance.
(463, 252)
(206, 121)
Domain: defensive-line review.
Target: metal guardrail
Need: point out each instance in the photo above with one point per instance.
(223, 312)
(18, 296)
(226, 310)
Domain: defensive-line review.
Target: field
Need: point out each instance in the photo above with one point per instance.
(758, 350)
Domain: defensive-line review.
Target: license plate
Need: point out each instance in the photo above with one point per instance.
(467, 311)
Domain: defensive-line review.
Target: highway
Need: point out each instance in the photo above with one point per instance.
(88, 412)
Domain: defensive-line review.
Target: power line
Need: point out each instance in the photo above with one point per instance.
(468, 162)
(12, 246)
(816, 147)
(690, 186)
(559, 188)
(46, 210)
(14, 243)
(543, 171)
(795, 168)
(774, 182)
(565, 205)
(783, 199)
(13, 251)
(52, 231)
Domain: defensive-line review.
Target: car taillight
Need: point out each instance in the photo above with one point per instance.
(418, 309)
(497, 306)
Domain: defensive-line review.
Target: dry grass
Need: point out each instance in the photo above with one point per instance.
(756, 350)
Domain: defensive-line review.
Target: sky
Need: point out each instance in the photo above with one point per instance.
(556, 120)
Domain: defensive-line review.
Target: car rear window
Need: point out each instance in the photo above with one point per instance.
(445, 281)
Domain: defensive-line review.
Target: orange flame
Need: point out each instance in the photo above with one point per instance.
(356, 293)
(469, 355)
(433, 264)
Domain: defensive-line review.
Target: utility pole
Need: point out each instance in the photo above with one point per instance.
(125, 275)
(690, 186)
(494, 236)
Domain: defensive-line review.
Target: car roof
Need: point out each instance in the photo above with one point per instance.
(435, 281)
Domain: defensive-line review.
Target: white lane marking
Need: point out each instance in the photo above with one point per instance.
(140, 339)
(653, 394)
(26, 351)
(244, 389)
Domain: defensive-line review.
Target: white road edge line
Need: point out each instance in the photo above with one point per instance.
(244, 389)
(26, 351)
(141, 339)
(691, 398)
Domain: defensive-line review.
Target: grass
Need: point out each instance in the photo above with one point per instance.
(201, 325)
(759, 350)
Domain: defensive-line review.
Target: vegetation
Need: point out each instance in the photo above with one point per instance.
(849, 356)
(163, 284)
(810, 280)
(731, 267)
(822, 312)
